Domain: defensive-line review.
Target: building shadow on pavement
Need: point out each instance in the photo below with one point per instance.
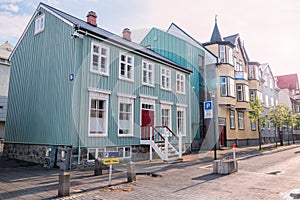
(204, 179)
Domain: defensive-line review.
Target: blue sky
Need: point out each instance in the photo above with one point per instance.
(270, 29)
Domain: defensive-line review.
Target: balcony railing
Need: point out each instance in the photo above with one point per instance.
(241, 76)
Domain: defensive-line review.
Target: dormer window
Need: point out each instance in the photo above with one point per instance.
(39, 24)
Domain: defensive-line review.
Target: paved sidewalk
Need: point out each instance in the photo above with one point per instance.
(21, 180)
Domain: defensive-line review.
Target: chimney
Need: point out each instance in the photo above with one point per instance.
(91, 18)
(127, 34)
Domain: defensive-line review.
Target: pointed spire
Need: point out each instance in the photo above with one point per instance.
(216, 36)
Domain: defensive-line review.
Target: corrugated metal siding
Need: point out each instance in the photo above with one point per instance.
(46, 108)
(184, 54)
(116, 85)
(40, 91)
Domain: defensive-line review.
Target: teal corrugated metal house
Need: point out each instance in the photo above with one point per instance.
(77, 91)
(176, 45)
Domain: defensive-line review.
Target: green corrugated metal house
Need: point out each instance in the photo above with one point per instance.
(176, 45)
(77, 91)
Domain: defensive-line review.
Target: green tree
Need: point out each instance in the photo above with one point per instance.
(257, 108)
(278, 116)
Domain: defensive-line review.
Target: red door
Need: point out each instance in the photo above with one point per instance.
(147, 122)
(222, 136)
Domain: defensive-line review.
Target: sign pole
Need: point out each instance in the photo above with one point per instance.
(110, 172)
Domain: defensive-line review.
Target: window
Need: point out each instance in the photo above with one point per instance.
(246, 93)
(240, 94)
(241, 120)
(180, 86)
(251, 71)
(100, 59)
(227, 87)
(266, 101)
(234, 62)
(201, 62)
(252, 94)
(181, 120)
(165, 79)
(240, 66)
(222, 54)
(126, 67)
(253, 125)
(124, 152)
(98, 114)
(166, 115)
(230, 56)
(94, 153)
(223, 88)
(237, 48)
(232, 119)
(231, 87)
(148, 73)
(272, 101)
(271, 83)
(126, 106)
(39, 24)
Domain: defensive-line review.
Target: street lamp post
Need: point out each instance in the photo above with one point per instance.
(214, 124)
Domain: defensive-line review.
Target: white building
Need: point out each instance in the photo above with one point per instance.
(5, 51)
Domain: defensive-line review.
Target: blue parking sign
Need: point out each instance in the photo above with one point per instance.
(208, 109)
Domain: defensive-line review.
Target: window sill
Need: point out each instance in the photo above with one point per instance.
(166, 89)
(99, 73)
(125, 135)
(126, 79)
(97, 135)
(148, 85)
(183, 93)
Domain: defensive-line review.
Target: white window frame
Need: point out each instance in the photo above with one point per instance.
(122, 99)
(181, 109)
(241, 120)
(102, 96)
(165, 78)
(39, 25)
(232, 119)
(251, 73)
(222, 50)
(230, 56)
(180, 83)
(223, 84)
(101, 57)
(231, 87)
(123, 149)
(97, 151)
(266, 100)
(234, 62)
(240, 92)
(247, 96)
(126, 64)
(252, 125)
(166, 106)
(148, 71)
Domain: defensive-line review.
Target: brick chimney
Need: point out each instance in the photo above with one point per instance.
(91, 18)
(127, 34)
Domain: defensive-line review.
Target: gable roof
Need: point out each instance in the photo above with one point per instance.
(178, 32)
(94, 31)
(289, 81)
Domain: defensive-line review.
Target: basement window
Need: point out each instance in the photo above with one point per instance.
(39, 24)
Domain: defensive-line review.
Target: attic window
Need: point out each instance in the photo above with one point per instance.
(39, 24)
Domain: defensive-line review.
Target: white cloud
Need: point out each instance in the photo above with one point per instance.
(10, 1)
(12, 26)
(10, 7)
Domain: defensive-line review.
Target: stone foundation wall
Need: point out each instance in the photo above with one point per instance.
(243, 142)
(26, 152)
